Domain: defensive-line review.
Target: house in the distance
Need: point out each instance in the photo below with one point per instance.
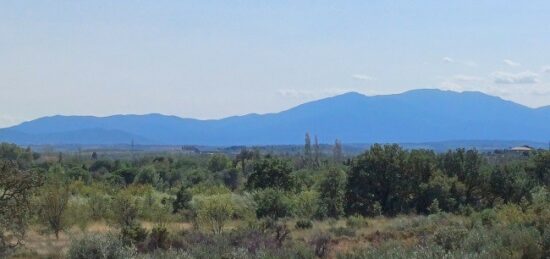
(523, 148)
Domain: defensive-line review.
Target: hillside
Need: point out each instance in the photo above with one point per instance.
(411, 117)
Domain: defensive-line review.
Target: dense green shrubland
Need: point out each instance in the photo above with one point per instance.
(249, 205)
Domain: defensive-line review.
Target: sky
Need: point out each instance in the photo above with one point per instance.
(211, 59)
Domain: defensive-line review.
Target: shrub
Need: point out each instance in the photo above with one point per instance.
(396, 250)
(305, 204)
(524, 242)
(342, 231)
(434, 207)
(504, 242)
(133, 233)
(486, 217)
(281, 233)
(183, 199)
(213, 212)
(356, 221)
(166, 254)
(125, 214)
(96, 246)
(321, 244)
(272, 203)
(546, 242)
(158, 238)
(304, 224)
(449, 237)
(52, 205)
(77, 213)
(244, 207)
(375, 209)
(98, 205)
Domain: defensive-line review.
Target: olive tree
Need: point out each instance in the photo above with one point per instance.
(52, 205)
(16, 187)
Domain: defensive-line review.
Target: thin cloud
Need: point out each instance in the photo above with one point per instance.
(526, 77)
(362, 77)
(448, 60)
(462, 83)
(546, 69)
(468, 63)
(511, 63)
(466, 78)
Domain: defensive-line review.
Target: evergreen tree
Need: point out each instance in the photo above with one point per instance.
(307, 151)
(317, 152)
(183, 198)
(337, 151)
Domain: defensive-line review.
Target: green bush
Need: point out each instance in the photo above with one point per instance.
(450, 237)
(133, 233)
(96, 246)
(342, 231)
(356, 221)
(304, 224)
(321, 244)
(272, 203)
(546, 242)
(305, 204)
(394, 249)
(98, 205)
(213, 212)
(486, 217)
(504, 242)
(158, 239)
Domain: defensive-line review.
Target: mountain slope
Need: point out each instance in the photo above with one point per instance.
(414, 116)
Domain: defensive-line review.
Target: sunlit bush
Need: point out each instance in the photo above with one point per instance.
(96, 246)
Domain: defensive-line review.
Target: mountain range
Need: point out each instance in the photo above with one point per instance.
(425, 115)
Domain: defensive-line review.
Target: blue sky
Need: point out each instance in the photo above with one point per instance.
(211, 59)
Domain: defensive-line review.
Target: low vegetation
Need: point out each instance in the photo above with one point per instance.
(384, 203)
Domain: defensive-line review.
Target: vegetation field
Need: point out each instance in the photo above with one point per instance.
(387, 202)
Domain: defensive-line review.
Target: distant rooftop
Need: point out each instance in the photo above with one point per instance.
(522, 148)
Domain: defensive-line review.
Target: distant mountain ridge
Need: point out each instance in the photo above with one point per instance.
(425, 115)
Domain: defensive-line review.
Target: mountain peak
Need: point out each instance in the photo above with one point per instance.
(422, 115)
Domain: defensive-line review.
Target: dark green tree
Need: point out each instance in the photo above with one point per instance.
(272, 203)
(541, 169)
(376, 176)
(332, 191)
(147, 175)
(183, 199)
(510, 183)
(271, 173)
(218, 162)
(232, 178)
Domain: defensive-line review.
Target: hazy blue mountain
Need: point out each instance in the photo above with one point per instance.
(411, 117)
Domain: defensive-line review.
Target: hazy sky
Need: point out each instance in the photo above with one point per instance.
(210, 59)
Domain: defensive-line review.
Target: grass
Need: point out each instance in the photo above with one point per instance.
(40, 245)
(379, 230)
